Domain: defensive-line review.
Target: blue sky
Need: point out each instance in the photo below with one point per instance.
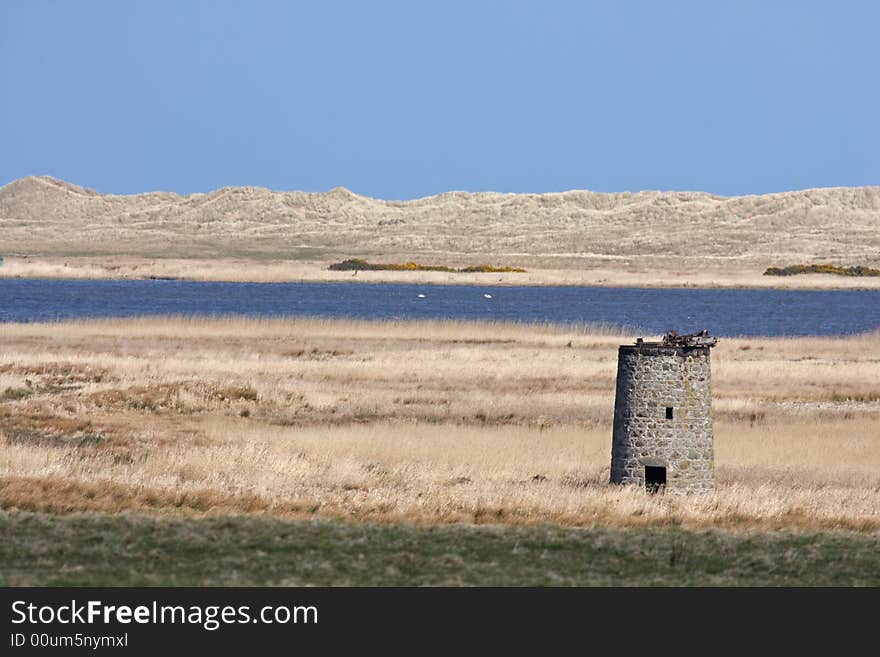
(405, 99)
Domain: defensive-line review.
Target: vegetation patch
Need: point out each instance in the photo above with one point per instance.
(140, 550)
(792, 270)
(37, 429)
(15, 393)
(357, 264)
(182, 397)
(57, 374)
(489, 269)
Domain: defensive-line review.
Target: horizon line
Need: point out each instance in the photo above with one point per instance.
(342, 189)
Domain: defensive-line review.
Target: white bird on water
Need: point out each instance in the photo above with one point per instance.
(487, 296)
(421, 296)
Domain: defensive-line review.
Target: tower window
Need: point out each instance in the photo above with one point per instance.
(669, 412)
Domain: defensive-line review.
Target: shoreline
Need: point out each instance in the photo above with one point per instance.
(641, 274)
(170, 325)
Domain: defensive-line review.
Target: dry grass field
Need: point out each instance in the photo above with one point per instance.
(422, 422)
(56, 229)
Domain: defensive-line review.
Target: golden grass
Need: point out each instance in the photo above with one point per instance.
(419, 421)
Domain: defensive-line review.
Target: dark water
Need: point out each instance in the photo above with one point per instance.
(723, 312)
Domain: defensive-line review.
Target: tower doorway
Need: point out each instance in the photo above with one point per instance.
(655, 478)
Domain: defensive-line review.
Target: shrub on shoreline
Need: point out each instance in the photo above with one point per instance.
(358, 264)
(489, 269)
(792, 270)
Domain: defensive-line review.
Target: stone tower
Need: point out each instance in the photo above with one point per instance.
(662, 415)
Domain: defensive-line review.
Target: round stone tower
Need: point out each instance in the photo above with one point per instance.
(662, 415)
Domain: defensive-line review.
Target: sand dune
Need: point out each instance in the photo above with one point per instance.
(45, 216)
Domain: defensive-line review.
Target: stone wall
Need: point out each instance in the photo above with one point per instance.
(652, 378)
